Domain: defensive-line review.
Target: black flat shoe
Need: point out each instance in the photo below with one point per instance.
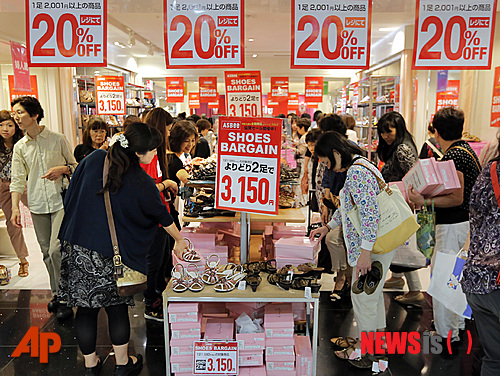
(131, 368)
(53, 304)
(94, 371)
(373, 278)
(359, 285)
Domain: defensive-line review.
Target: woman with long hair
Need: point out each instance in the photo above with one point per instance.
(94, 137)
(397, 150)
(87, 275)
(11, 133)
(182, 140)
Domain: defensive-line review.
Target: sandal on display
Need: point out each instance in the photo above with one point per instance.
(179, 282)
(252, 267)
(253, 280)
(190, 255)
(300, 283)
(228, 284)
(341, 343)
(210, 277)
(281, 280)
(23, 269)
(345, 353)
(268, 266)
(195, 283)
(310, 270)
(373, 278)
(226, 270)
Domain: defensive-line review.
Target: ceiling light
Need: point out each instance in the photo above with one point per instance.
(136, 55)
(151, 49)
(254, 55)
(386, 28)
(250, 39)
(121, 45)
(131, 38)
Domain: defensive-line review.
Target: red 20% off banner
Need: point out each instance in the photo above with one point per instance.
(203, 34)
(110, 95)
(248, 164)
(215, 358)
(454, 34)
(66, 33)
(331, 34)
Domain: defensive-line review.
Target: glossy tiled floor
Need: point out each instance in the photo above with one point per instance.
(20, 309)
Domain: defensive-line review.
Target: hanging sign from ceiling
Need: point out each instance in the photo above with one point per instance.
(314, 89)
(110, 95)
(175, 89)
(194, 100)
(243, 93)
(14, 93)
(451, 34)
(208, 89)
(66, 33)
(333, 34)
(204, 34)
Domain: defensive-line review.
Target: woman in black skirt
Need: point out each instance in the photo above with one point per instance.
(87, 268)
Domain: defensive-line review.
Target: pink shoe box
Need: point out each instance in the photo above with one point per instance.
(251, 341)
(401, 187)
(186, 329)
(185, 367)
(477, 146)
(280, 353)
(252, 371)
(251, 358)
(253, 310)
(296, 247)
(424, 176)
(449, 176)
(217, 225)
(182, 346)
(200, 264)
(281, 261)
(300, 312)
(280, 342)
(183, 312)
(288, 231)
(278, 309)
(278, 320)
(303, 355)
(221, 328)
(214, 310)
(276, 368)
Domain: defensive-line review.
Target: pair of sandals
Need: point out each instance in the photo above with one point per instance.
(268, 266)
(229, 278)
(23, 269)
(369, 282)
(190, 255)
(189, 278)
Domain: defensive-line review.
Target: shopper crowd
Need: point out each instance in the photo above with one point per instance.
(144, 168)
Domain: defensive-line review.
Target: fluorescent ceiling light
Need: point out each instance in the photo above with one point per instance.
(254, 55)
(121, 45)
(141, 55)
(250, 39)
(386, 28)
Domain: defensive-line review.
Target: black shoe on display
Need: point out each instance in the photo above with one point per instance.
(64, 312)
(130, 368)
(53, 305)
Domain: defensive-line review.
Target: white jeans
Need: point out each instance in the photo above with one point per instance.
(449, 239)
(369, 310)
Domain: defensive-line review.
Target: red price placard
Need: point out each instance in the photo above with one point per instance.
(333, 34)
(314, 89)
(13, 93)
(215, 357)
(495, 100)
(204, 34)
(66, 33)
(248, 164)
(110, 95)
(175, 89)
(452, 34)
(243, 93)
(448, 98)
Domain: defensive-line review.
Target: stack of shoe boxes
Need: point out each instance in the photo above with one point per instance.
(296, 250)
(278, 326)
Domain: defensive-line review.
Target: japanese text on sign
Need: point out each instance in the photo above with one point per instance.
(452, 34)
(345, 34)
(203, 33)
(67, 33)
(243, 93)
(248, 164)
(110, 95)
(215, 358)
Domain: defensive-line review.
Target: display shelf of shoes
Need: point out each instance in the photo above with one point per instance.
(293, 215)
(266, 293)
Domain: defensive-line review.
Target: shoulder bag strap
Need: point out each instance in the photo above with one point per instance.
(475, 160)
(117, 259)
(382, 184)
(494, 181)
(434, 148)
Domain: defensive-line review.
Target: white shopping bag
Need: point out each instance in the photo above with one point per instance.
(445, 283)
(408, 255)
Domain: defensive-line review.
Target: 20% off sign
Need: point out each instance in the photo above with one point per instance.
(203, 33)
(453, 34)
(331, 34)
(248, 162)
(215, 357)
(66, 33)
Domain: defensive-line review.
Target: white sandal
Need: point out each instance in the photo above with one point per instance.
(195, 283)
(179, 283)
(190, 255)
(210, 275)
(229, 283)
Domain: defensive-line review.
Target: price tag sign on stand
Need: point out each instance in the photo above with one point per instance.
(248, 164)
(110, 95)
(204, 34)
(215, 358)
(243, 93)
(452, 34)
(331, 34)
(61, 34)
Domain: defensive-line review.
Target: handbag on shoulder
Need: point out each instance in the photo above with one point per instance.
(426, 234)
(128, 280)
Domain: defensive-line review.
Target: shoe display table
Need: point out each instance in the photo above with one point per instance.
(266, 293)
(284, 215)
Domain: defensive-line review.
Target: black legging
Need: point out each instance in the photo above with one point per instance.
(86, 326)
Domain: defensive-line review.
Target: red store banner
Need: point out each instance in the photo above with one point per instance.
(204, 34)
(331, 34)
(13, 93)
(452, 34)
(293, 102)
(20, 66)
(343, 102)
(279, 87)
(314, 89)
(355, 98)
(110, 95)
(243, 93)
(207, 89)
(175, 89)
(214, 103)
(248, 164)
(194, 100)
(495, 101)
(450, 96)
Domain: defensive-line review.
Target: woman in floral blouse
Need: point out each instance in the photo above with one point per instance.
(11, 133)
(361, 189)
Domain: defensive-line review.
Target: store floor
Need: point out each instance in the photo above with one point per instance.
(20, 309)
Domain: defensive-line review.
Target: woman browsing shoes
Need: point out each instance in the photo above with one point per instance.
(361, 189)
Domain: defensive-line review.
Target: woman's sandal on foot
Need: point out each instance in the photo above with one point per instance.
(23, 269)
